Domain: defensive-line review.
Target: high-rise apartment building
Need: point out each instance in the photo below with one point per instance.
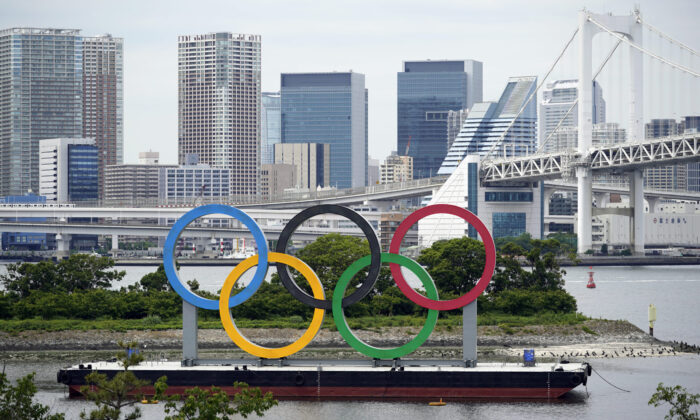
(396, 169)
(557, 99)
(311, 162)
(41, 80)
(56, 83)
(270, 126)
(488, 121)
(427, 91)
(219, 104)
(103, 99)
(329, 108)
(68, 170)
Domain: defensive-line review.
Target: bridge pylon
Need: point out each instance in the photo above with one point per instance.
(631, 27)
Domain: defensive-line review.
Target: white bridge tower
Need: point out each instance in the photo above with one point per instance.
(630, 27)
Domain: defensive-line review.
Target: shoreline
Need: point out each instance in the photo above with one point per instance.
(590, 339)
(618, 261)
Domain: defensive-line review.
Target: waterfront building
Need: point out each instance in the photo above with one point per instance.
(388, 223)
(671, 177)
(219, 104)
(487, 121)
(312, 163)
(26, 241)
(68, 170)
(270, 125)
(132, 183)
(426, 92)
(329, 108)
(41, 85)
(103, 100)
(396, 169)
(505, 210)
(556, 100)
(193, 183)
(276, 178)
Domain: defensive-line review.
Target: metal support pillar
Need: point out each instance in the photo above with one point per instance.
(115, 242)
(585, 129)
(585, 212)
(189, 332)
(469, 333)
(637, 204)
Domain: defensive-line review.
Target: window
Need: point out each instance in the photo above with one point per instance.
(508, 224)
(521, 196)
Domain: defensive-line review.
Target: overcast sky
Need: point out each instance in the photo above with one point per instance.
(373, 37)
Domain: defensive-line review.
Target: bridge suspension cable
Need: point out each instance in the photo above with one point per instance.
(532, 95)
(667, 37)
(644, 50)
(561, 121)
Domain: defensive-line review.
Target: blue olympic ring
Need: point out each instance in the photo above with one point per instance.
(169, 261)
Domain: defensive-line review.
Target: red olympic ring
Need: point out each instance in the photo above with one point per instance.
(470, 296)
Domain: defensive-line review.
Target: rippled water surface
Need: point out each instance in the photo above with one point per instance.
(622, 293)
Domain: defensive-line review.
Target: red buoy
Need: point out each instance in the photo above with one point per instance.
(591, 283)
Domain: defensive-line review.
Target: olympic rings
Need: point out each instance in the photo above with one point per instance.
(171, 241)
(359, 345)
(374, 248)
(230, 325)
(318, 301)
(489, 266)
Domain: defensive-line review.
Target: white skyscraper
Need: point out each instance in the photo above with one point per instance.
(219, 104)
(557, 99)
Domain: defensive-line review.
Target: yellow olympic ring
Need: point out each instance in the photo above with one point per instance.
(230, 325)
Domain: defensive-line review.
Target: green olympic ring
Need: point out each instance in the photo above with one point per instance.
(342, 324)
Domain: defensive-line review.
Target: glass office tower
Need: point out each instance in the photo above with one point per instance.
(329, 108)
(270, 126)
(40, 98)
(427, 91)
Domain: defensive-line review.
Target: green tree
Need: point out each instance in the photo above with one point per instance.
(155, 281)
(214, 403)
(330, 255)
(77, 272)
(17, 402)
(679, 398)
(113, 395)
(455, 265)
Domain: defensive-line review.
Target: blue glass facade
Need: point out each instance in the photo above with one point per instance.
(24, 240)
(508, 224)
(82, 172)
(426, 92)
(329, 108)
(270, 126)
(473, 194)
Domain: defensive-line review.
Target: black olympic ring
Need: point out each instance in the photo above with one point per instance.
(375, 253)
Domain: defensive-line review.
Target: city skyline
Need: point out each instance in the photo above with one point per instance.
(327, 41)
